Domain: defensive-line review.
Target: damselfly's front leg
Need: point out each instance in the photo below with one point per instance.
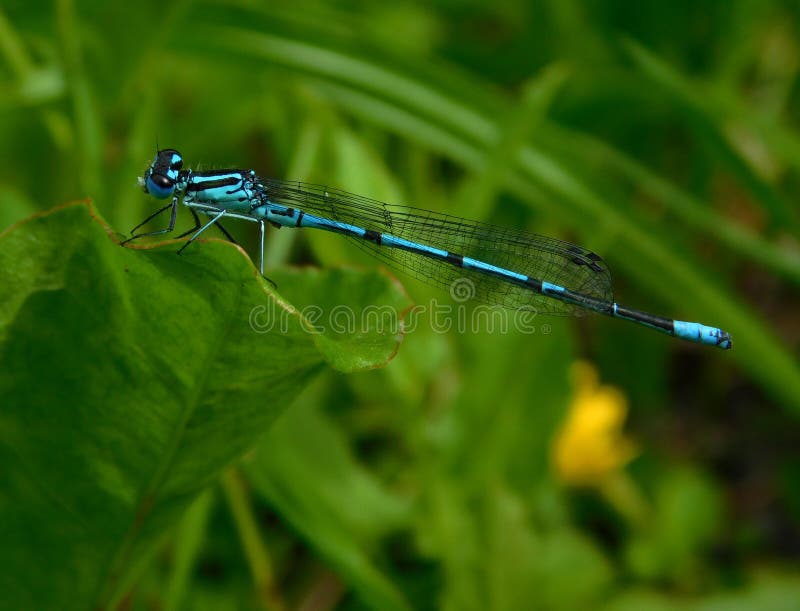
(174, 205)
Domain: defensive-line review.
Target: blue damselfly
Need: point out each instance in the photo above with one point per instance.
(508, 267)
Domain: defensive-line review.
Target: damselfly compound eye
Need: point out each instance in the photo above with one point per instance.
(161, 181)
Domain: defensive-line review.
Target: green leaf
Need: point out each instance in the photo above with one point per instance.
(351, 338)
(129, 377)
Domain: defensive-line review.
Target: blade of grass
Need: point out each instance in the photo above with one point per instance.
(188, 542)
(13, 50)
(258, 560)
(34, 85)
(686, 207)
(303, 160)
(534, 101)
(311, 57)
(141, 76)
(705, 122)
(87, 121)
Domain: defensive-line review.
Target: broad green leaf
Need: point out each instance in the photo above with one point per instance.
(350, 337)
(129, 377)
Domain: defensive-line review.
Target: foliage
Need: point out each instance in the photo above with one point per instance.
(136, 386)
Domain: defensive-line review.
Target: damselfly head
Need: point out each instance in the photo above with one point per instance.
(160, 178)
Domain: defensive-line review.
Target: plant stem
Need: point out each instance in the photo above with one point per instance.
(238, 498)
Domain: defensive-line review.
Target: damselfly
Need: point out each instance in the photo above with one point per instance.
(507, 267)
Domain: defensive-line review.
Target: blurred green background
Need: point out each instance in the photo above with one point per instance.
(477, 470)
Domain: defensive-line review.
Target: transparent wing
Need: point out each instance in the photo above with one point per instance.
(536, 256)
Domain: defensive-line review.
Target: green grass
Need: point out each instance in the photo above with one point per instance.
(664, 138)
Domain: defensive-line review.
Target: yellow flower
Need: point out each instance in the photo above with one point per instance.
(590, 447)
